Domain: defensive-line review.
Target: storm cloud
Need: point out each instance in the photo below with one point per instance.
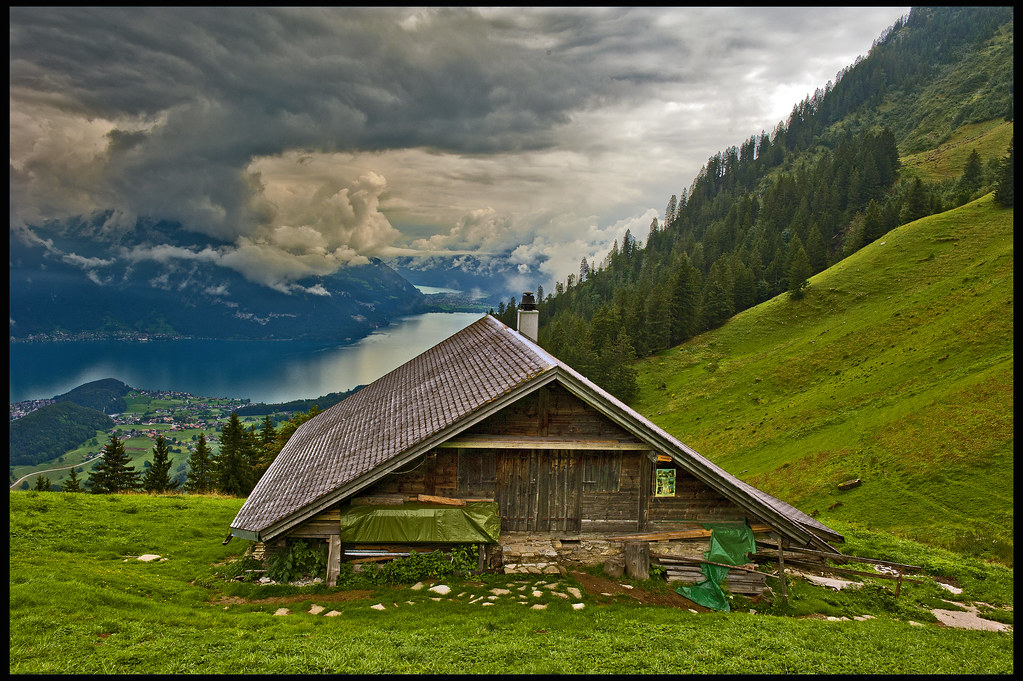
(307, 139)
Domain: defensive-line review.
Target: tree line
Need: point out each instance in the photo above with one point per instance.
(761, 218)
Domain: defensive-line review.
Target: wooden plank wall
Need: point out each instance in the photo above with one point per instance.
(552, 411)
(693, 502)
(320, 526)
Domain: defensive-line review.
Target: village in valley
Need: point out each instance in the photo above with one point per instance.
(180, 417)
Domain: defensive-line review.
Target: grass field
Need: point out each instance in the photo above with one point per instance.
(80, 603)
(896, 368)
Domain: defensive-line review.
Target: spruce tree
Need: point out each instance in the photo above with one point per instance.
(798, 269)
(1003, 189)
(232, 473)
(112, 474)
(72, 484)
(157, 477)
(973, 173)
(42, 484)
(200, 468)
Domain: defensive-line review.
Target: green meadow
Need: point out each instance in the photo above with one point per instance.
(896, 369)
(80, 603)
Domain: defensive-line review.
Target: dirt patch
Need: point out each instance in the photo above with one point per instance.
(596, 586)
(337, 596)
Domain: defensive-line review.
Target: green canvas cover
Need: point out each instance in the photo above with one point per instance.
(476, 522)
(729, 543)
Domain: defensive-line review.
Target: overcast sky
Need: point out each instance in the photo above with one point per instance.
(310, 138)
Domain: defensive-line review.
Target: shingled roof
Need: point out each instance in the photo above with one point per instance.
(433, 397)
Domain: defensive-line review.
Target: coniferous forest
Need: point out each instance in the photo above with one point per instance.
(762, 217)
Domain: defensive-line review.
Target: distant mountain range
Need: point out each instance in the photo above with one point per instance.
(78, 279)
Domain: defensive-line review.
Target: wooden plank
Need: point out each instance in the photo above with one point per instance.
(669, 560)
(380, 500)
(694, 533)
(846, 571)
(781, 568)
(446, 501)
(523, 442)
(844, 558)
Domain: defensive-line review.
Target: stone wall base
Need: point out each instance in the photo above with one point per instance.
(534, 548)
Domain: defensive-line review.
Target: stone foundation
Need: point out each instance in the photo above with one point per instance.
(532, 549)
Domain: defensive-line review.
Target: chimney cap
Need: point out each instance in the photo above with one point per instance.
(528, 302)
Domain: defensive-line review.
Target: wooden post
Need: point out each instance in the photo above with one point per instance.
(781, 569)
(637, 559)
(898, 584)
(333, 559)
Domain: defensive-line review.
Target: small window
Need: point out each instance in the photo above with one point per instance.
(665, 483)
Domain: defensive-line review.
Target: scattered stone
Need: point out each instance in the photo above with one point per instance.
(264, 580)
(378, 606)
(435, 599)
(317, 580)
(559, 594)
(316, 609)
(417, 586)
(968, 620)
(410, 602)
(281, 612)
(693, 611)
(915, 624)
(148, 557)
(537, 593)
(625, 586)
(522, 588)
(752, 612)
(442, 589)
(332, 613)
(500, 592)
(863, 618)
(491, 598)
(574, 591)
(539, 606)
(488, 603)
(948, 587)
(604, 593)
(578, 606)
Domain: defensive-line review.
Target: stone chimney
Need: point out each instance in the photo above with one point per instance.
(529, 317)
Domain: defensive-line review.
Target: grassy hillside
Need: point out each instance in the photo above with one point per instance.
(81, 604)
(896, 368)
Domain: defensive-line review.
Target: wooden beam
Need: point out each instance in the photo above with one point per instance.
(844, 558)
(502, 442)
(669, 560)
(846, 571)
(694, 533)
(446, 501)
(781, 569)
(333, 560)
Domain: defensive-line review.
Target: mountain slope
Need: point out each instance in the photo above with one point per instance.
(895, 368)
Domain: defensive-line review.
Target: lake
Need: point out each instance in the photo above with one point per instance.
(263, 371)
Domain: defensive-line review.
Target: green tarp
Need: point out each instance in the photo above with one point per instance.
(476, 522)
(729, 544)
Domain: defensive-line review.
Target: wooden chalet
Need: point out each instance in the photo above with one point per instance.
(489, 415)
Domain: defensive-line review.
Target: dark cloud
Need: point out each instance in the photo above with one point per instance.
(202, 115)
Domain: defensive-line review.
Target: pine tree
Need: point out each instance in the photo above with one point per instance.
(873, 223)
(199, 478)
(1003, 188)
(234, 465)
(798, 269)
(112, 474)
(42, 484)
(157, 477)
(72, 484)
(973, 173)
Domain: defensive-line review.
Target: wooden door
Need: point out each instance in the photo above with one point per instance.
(539, 490)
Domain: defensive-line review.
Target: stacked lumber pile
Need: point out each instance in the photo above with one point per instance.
(741, 579)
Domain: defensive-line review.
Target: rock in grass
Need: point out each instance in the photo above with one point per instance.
(316, 609)
(442, 589)
(281, 612)
(378, 606)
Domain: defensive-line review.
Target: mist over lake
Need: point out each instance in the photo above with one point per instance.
(263, 371)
